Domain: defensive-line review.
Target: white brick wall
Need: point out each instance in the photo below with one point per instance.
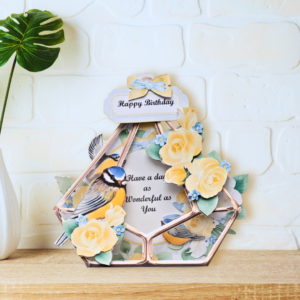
(238, 62)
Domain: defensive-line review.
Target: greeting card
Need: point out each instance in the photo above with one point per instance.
(149, 196)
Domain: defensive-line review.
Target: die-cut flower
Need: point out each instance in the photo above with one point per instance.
(194, 195)
(212, 239)
(177, 173)
(119, 230)
(115, 215)
(82, 220)
(207, 177)
(161, 139)
(182, 145)
(187, 117)
(198, 127)
(226, 165)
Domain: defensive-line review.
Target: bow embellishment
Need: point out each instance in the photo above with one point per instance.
(159, 85)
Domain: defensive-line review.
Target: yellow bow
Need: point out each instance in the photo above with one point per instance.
(159, 85)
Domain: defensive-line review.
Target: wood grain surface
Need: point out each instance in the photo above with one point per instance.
(60, 274)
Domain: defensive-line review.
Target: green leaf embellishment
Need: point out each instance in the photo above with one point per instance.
(207, 206)
(216, 233)
(175, 247)
(185, 255)
(242, 215)
(202, 134)
(64, 183)
(140, 134)
(123, 135)
(164, 256)
(208, 249)
(215, 155)
(104, 258)
(222, 227)
(241, 183)
(153, 151)
(69, 227)
(231, 231)
(138, 249)
(125, 247)
(29, 36)
(118, 257)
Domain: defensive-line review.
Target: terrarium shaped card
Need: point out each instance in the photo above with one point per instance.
(150, 197)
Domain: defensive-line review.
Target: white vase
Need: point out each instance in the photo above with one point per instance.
(10, 218)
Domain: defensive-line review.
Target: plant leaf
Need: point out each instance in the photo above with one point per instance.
(138, 249)
(104, 258)
(64, 183)
(125, 247)
(164, 256)
(215, 155)
(231, 231)
(153, 151)
(26, 36)
(140, 133)
(241, 183)
(118, 256)
(241, 216)
(69, 227)
(187, 256)
(175, 247)
(216, 233)
(207, 206)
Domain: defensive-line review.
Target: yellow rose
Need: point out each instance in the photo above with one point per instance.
(207, 177)
(200, 224)
(181, 197)
(182, 145)
(115, 215)
(177, 174)
(187, 117)
(94, 237)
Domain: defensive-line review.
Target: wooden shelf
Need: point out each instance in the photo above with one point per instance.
(60, 274)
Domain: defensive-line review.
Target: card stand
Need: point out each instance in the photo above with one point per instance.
(147, 239)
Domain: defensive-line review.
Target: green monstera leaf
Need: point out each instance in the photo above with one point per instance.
(28, 35)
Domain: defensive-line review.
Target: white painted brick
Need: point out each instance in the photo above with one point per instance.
(260, 238)
(45, 150)
(74, 53)
(253, 7)
(258, 45)
(249, 151)
(19, 103)
(175, 9)
(42, 197)
(68, 8)
(266, 98)
(119, 47)
(194, 88)
(272, 204)
(11, 7)
(80, 99)
(288, 150)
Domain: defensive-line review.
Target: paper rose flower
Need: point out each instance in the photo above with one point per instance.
(182, 145)
(115, 215)
(200, 224)
(187, 117)
(94, 237)
(207, 177)
(177, 173)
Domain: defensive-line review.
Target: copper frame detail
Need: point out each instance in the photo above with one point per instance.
(147, 239)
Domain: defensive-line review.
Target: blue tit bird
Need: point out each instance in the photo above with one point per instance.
(105, 161)
(100, 193)
(179, 235)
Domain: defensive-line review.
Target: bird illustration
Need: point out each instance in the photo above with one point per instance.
(100, 193)
(179, 235)
(104, 162)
